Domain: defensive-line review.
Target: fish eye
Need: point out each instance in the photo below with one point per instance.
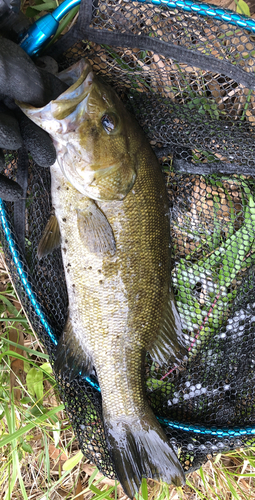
(109, 122)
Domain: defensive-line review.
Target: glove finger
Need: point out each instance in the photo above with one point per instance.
(47, 63)
(10, 137)
(37, 141)
(52, 84)
(20, 79)
(10, 190)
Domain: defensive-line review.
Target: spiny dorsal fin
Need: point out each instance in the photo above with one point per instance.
(70, 355)
(95, 230)
(50, 238)
(170, 342)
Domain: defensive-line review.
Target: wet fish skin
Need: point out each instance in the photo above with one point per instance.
(116, 256)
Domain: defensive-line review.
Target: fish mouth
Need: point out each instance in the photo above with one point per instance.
(54, 116)
(80, 78)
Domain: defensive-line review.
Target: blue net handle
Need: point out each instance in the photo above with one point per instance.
(204, 9)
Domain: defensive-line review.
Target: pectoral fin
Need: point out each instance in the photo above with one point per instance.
(170, 343)
(95, 230)
(70, 355)
(50, 238)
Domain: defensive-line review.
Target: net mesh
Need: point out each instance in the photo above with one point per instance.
(196, 106)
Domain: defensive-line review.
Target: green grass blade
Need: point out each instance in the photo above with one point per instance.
(144, 489)
(17, 318)
(26, 349)
(16, 472)
(116, 490)
(201, 495)
(207, 484)
(13, 475)
(17, 434)
(46, 458)
(231, 487)
(241, 475)
(45, 6)
(92, 477)
(11, 308)
(22, 358)
(101, 495)
(73, 461)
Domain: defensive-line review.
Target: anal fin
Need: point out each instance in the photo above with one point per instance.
(170, 344)
(50, 239)
(71, 356)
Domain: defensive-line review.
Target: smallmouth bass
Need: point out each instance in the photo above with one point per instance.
(112, 215)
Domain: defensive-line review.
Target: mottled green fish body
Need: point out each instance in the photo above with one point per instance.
(111, 207)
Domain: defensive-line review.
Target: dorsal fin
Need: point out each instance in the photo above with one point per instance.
(170, 342)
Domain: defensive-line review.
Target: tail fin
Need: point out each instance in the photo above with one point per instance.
(139, 448)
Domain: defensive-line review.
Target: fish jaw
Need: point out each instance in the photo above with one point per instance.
(52, 116)
(93, 134)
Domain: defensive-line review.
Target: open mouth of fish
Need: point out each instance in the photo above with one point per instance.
(75, 123)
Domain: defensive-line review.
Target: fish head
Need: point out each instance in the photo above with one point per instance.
(95, 137)
(106, 137)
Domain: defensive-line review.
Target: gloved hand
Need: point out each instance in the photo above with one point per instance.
(20, 79)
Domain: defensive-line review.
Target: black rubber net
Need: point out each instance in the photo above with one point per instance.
(189, 80)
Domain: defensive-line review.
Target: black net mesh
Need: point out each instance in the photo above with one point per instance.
(189, 81)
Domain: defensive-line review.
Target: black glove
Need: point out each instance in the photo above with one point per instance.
(20, 79)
